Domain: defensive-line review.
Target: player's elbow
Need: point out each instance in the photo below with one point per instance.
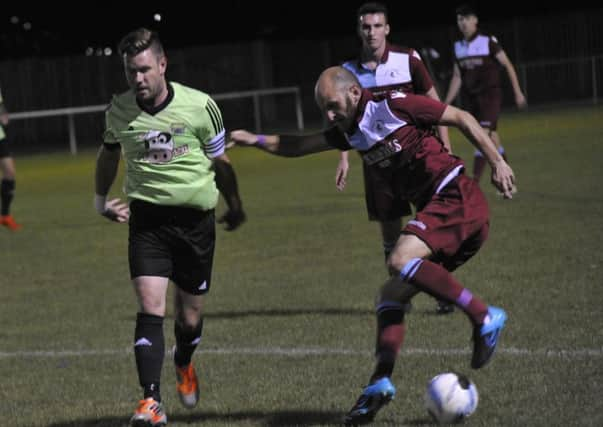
(464, 120)
(456, 117)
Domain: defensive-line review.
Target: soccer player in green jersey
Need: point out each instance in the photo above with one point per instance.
(7, 166)
(172, 139)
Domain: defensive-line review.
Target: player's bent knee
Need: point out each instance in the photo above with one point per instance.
(402, 265)
(395, 262)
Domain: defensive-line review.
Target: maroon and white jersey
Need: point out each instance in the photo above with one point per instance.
(394, 137)
(400, 69)
(476, 58)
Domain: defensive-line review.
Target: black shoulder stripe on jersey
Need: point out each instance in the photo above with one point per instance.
(215, 108)
(214, 114)
(213, 118)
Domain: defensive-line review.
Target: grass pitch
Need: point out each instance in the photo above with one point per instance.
(289, 330)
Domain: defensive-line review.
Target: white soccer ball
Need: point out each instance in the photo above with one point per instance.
(450, 398)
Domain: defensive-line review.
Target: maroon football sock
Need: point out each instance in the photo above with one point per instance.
(438, 282)
(390, 335)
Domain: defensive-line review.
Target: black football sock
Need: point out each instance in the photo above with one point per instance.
(149, 350)
(187, 340)
(7, 192)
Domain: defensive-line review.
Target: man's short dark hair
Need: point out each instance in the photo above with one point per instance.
(140, 40)
(370, 8)
(466, 10)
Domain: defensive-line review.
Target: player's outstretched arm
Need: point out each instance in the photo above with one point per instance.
(282, 145)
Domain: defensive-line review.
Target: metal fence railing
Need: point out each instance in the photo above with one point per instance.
(255, 95)
(562, 80)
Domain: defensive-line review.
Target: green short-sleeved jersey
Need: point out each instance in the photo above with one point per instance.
(168, 152)
(2, 134)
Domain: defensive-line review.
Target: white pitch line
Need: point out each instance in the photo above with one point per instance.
(587, 353)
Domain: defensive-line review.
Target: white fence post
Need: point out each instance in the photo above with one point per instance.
(72, 140)
(257, 113)
(298, 110)
(593, 62)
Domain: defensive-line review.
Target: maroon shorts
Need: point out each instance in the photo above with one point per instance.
(382, 204)
(485, 107)
(454, 223)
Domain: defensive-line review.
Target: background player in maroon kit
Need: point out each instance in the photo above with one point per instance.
(394, 138)
(382, 67)
(478, 58)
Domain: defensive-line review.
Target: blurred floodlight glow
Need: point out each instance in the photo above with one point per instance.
(157, 17)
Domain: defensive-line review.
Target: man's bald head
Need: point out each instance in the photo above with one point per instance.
(337, 93)
(334, 79)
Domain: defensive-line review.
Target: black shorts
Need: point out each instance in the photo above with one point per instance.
(173, 242)
(4, 148)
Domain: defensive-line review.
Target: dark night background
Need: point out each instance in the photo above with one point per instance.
(55, 56)
(60, 30)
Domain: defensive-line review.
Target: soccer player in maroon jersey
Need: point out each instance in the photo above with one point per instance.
(394, 137)
(478, 58)
(380, 67)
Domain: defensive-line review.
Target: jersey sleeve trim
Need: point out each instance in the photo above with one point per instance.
(216, 146)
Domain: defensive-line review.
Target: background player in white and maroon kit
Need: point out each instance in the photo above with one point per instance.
(393, 135)
(476, 70)
(382, 67)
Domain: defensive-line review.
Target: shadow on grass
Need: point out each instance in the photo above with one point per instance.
(280, 313)
(289, 312)
(319, 311)
(268, 419)
(303, 312)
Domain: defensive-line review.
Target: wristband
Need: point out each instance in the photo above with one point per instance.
(261, 140)
(99, 203)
